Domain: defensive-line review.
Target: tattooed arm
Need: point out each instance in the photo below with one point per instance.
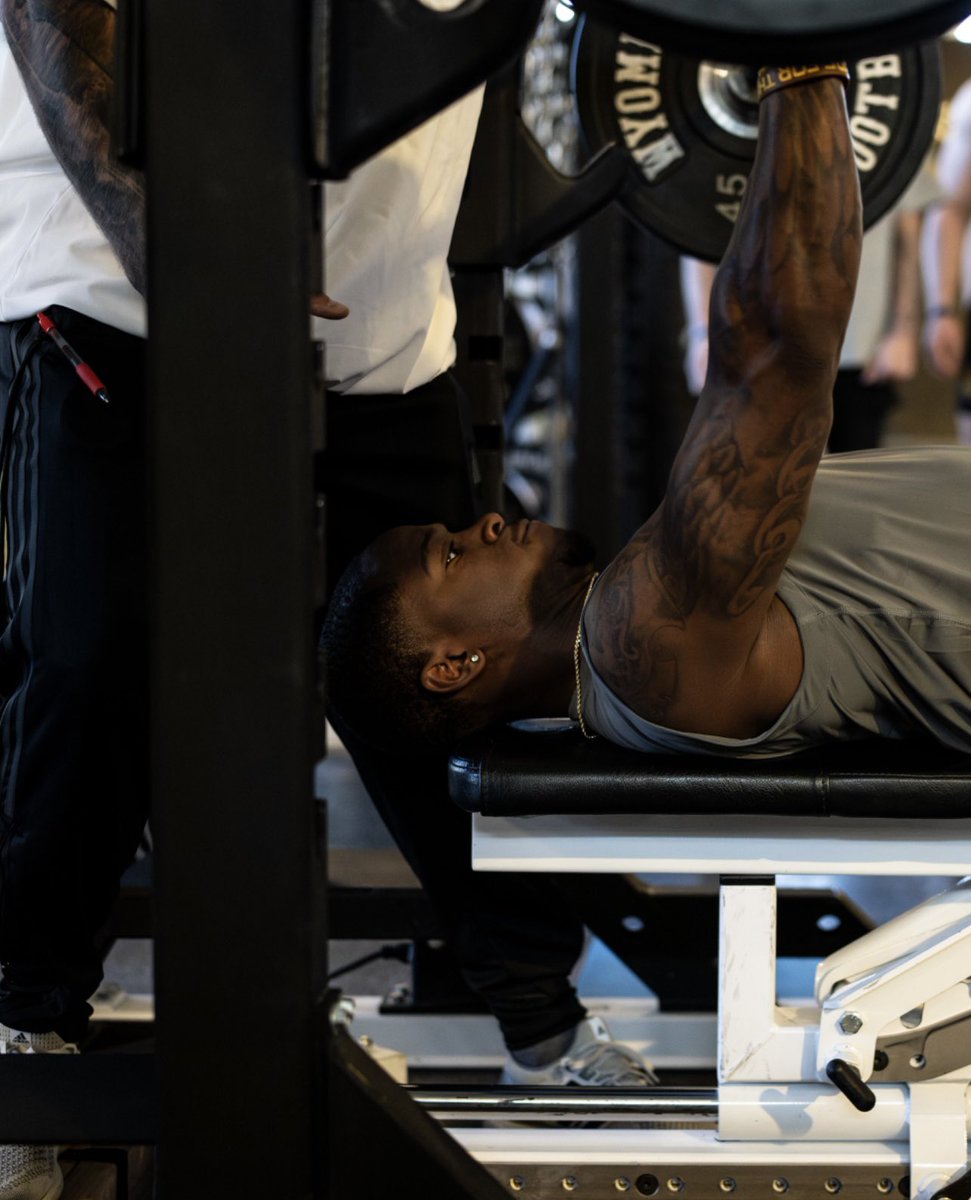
(687, 627)
(64, 50)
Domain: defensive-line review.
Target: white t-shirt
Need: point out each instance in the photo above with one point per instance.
(51, 249)
(388, 229)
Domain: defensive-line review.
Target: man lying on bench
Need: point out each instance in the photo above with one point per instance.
(771, 602)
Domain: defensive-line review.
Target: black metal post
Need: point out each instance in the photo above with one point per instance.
(238, 960)
(595, 358)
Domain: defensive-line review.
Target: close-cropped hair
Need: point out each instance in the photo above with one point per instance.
(373, 663)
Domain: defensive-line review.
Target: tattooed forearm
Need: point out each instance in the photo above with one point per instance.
(64, 50)
(739, 489)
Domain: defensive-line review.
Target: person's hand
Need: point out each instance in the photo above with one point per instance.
(894, 360)
(944, 345)
(321, 305)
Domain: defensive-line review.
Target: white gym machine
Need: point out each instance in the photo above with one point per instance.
(862, 1092)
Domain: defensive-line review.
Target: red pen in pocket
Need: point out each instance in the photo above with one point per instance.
(83, 371)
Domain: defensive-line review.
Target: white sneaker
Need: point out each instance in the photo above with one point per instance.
(593, 1060)
(31, 1172)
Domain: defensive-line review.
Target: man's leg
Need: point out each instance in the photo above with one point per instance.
(511, 935)
(73, 662)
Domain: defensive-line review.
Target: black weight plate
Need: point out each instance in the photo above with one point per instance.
(779, 32)
(688, 165)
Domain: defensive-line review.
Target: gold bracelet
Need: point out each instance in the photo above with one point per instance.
(771, 79)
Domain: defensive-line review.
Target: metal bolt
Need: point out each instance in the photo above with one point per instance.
(833, 1185)
(517, 1183)
(918, 1062)
(675, 1184)
(365, 1041)
(884, 1186)
(727, 1184)
(850, 1022)
(570, 1183)
(622, 1183)
(780, 1185)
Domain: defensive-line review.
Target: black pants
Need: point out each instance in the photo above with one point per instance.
(73, 655)
(859, 412)
(397, 460)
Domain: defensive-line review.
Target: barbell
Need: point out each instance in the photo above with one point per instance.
(757, 32)
(689, 126)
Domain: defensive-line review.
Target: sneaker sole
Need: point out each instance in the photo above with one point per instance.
(54, 1191)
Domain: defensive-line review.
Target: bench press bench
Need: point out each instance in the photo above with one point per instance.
(865, 1091)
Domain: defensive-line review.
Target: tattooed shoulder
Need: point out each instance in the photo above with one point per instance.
(636, 626)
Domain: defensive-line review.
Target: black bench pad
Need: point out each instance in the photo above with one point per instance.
(513, 771)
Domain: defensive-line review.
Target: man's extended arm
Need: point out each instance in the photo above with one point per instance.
(65, 52)
(684, 607)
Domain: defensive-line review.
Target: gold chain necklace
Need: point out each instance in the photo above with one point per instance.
(576, 661)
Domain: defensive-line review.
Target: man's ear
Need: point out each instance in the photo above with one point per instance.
(445, 673)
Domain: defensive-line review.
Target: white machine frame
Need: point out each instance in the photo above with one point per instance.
(778, 1111)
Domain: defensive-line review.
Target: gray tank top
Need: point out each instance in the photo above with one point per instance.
(879, 585)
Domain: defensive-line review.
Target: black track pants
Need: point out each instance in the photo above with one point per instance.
(73, 660)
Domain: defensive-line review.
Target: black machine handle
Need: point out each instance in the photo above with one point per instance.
(517, 203)
(383, 66)
(848, 1080)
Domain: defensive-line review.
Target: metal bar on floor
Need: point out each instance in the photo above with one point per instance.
(696, 1106)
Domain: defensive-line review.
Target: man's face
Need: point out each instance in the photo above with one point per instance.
(489, 582)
